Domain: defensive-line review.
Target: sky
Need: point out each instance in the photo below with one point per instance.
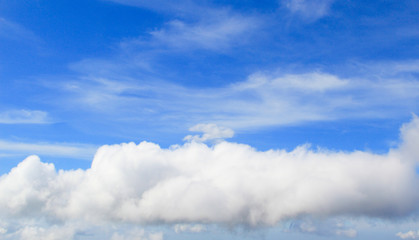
(211, 119)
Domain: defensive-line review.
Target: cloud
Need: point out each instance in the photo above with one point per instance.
(14, 31)
(53, 233)
(196, 228)
(24, 117)
(271, 99)
(137, 234)
(408, 235)
(323, 227)
(182, 7)
(227, 183)
(210, 132)
(309, 9)
(83, 151)
(218, 31)
(193, 26)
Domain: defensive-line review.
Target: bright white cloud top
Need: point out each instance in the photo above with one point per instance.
(227, 183)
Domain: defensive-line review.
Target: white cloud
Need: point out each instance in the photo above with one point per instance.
(227, 183)
(264, 99)
(53, 233)
(84, 151)
(347, 233)
(181, 7)
(408, 235)
(195, 228)
(210, 132)
(218, 31)
(24, 117)
(137, 234)
(323, 227)
(309, 9)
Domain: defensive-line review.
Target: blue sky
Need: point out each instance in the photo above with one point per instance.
(305, 81)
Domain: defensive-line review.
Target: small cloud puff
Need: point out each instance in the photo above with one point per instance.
(408, 235)
(196, 228)
(210, 132)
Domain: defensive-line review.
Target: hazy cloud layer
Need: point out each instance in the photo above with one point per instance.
(228, 183)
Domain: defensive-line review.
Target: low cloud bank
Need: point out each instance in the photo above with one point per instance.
(227, 183)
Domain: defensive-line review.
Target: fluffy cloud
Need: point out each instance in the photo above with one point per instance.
(408, 235)
(227, 183)
(137, 234)
(196, 228)
(210, 132)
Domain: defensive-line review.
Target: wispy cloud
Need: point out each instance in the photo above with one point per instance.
(218, 31)
(310, 10)
(83, 151)
(14, 31)
(24, 117)
(194, 25)
(181, 7)
(264, 99)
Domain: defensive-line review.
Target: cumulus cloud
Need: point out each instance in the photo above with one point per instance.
(24, 117)
(408, 235)
(196, 228)
(210, 132)
(227, 183)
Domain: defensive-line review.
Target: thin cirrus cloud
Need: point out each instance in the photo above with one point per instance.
(210, 35)
(24, 117)
(182, 7)
(219, 30)
(271, 99)
(310, 10)
(81, 151)
(13, 31)
(194, 26)
(227, 184)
